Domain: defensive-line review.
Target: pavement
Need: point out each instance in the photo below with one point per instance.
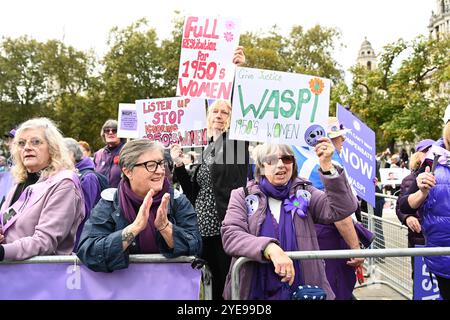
(376, 291)
(371, 289)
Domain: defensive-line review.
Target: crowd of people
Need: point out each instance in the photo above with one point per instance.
(230, 203)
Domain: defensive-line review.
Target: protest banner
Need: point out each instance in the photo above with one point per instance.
(174, 120)
(358, 155)
(127, 120)
(68, 281)
(206, 59)
(425, 286)
(279, 107)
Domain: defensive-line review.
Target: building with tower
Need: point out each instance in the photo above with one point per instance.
(366, 56)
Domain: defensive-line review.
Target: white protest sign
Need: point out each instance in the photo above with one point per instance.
(173, 121)
(127, 119)
(206, 59)
(393, 175)
(279, 107)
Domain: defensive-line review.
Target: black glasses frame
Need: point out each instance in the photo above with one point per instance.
(161, 163)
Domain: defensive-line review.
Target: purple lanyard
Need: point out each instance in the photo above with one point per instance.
(10, 215)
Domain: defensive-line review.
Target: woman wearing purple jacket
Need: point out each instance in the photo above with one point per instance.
(88, 180)
(106, 159)
(276, 213)
(43, 210)
(430, 195)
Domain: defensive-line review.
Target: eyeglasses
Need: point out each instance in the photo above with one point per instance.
(287, 159)
(110, 130)
(35, 142)
(152, 165)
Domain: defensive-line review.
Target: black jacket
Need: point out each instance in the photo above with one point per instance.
(229, 171)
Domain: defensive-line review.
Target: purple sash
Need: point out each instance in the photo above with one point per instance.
(30, 196)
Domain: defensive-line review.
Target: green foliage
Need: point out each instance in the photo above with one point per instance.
(405, 98)
(35, 75)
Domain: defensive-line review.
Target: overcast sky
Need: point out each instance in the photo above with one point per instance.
(85, 23)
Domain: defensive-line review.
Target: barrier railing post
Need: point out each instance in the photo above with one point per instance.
(371, 227)
(207, 282)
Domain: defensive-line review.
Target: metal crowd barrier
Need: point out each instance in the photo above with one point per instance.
(206, 288)
(395, 272)
(339, 254)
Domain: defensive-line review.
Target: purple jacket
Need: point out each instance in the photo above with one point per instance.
(435, 213)
(239, 231)
(91, 189)
(47, 219)
(105, 164)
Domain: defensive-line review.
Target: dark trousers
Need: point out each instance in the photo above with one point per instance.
(444, 287)
(218, 262)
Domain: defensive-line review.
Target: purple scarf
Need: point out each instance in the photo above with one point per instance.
(130, 203)
(266, 284)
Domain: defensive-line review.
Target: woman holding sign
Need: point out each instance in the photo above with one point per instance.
(224, 167)
(430, 195)
(43, 210)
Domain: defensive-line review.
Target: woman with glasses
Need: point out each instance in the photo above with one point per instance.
(42, 212)
(107, 158)
(276, 213)
(142, 216)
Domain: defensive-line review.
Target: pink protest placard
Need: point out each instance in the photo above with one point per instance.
(174, 120)
(206, 60)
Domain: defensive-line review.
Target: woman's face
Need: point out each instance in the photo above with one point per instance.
(278, 168)
(111, 136)
(148, 173)
(33, 150)
(218, 117)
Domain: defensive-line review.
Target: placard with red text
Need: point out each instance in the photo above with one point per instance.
(176, 120)
(206, 60)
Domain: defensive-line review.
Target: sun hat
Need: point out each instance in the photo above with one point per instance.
(336, 129)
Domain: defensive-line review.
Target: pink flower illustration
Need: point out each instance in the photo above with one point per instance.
(228, 36)
(230, 25)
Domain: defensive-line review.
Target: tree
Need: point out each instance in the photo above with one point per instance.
(34, 75)
(403, 100)
(134, 66)
(22, 81)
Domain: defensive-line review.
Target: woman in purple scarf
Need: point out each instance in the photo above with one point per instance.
(142, 216)
(276, 213)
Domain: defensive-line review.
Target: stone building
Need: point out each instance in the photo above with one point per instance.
(366, 56)
(440, 20)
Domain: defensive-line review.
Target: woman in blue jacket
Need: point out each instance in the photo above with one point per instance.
(142, 216)
(430, 193)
